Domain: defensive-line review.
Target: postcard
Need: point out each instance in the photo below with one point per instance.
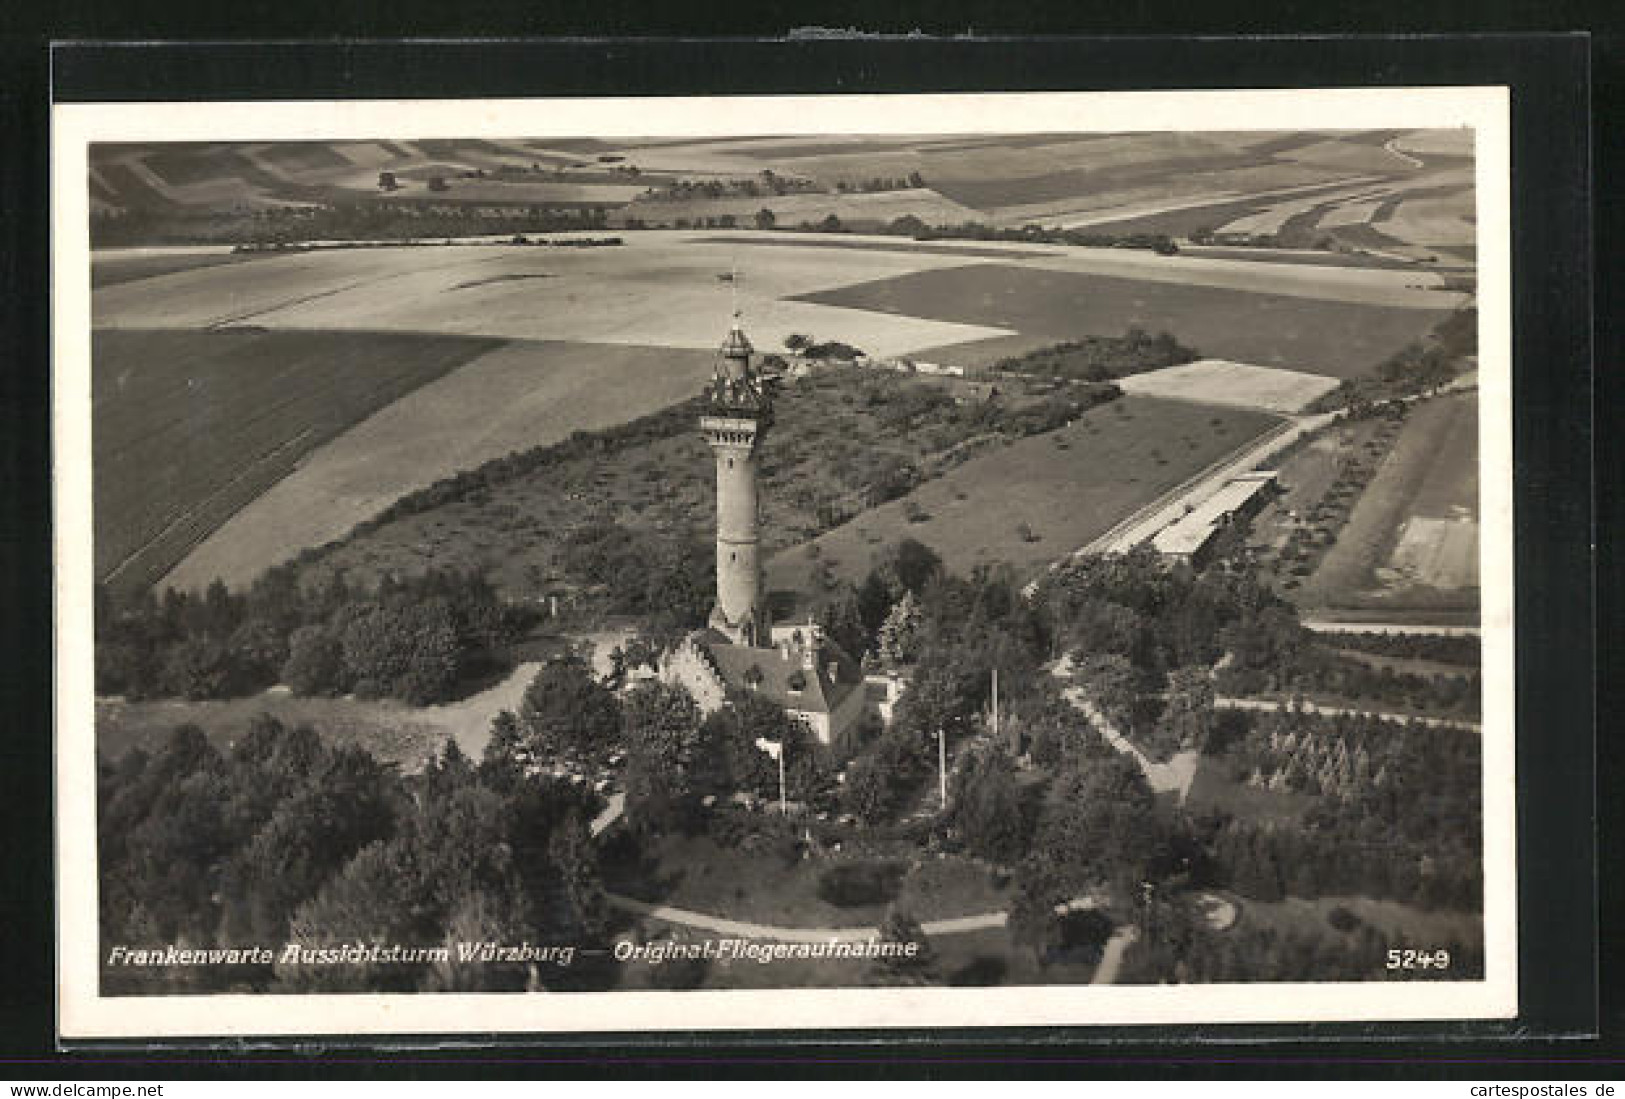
(542, 566)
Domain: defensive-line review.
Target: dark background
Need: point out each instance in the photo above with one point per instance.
(1553, 260)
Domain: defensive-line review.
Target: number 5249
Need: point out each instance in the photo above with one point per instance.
(1418, 959)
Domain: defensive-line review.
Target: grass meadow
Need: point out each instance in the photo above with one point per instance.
(1032, 501)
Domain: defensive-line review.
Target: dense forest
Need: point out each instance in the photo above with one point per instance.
(281, 838)
(421, 639)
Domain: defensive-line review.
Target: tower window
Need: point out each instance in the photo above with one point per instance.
(730, 463)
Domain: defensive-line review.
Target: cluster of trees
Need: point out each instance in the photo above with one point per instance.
(676, 758)
(374, 219)
(877, 183)
(809, 348)
(1326, 674)
(1291, 236)
(419, 639)
(1319, 527)
(283, 838)
(1159, 616)
(667, 578)
(1418, 367)
(567, 714)
(911, 226)
(606, 444)
(1100, 358)
(1396, 811)
(1464, 650)
(765, 182)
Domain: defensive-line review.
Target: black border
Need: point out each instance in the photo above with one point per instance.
(1551, 284)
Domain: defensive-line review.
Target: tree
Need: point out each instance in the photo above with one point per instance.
(1110, 682)
(1188, 715)
(900, 928)
(987, 807)
(566, 710)
(664, 753)
(765, 218)
(732, 733)
(908, 226)
(841, 620)
(311, 834)
(901, 633)
(406, 650)
(908, 565)
(881, 780)
(1098, 823)
(315, 664)
(387, 181)
(199, 668)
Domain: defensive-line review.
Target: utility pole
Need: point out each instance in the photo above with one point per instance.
(995, 704)
(942, 768)
(775, 748)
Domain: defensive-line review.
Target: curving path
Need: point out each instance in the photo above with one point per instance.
(958, 925)
(1111, 955)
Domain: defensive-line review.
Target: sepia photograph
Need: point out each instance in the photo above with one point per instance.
(966, 560)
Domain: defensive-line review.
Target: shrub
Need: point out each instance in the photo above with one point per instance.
(855, 884)
(1342, 919)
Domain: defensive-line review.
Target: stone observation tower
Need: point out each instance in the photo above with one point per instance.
(739, 415)
(795, 667)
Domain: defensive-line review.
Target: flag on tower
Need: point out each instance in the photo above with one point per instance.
(771, 747)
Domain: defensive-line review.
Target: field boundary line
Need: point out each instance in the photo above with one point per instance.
(191, 512)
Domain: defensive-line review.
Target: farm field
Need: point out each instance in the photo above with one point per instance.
(830, 441)
(1411, 543)
(1067, 486)
(109, 268)
(1215, 381)
(1368, 284)
(657, 290)
(1295, 256)
(1337, 339)
(511, 398)
(793, 209)
(190, 426)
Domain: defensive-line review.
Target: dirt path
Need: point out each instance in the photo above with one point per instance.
(1111, 957)
(1173, 776)
(685, 917)
(1329, 625)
